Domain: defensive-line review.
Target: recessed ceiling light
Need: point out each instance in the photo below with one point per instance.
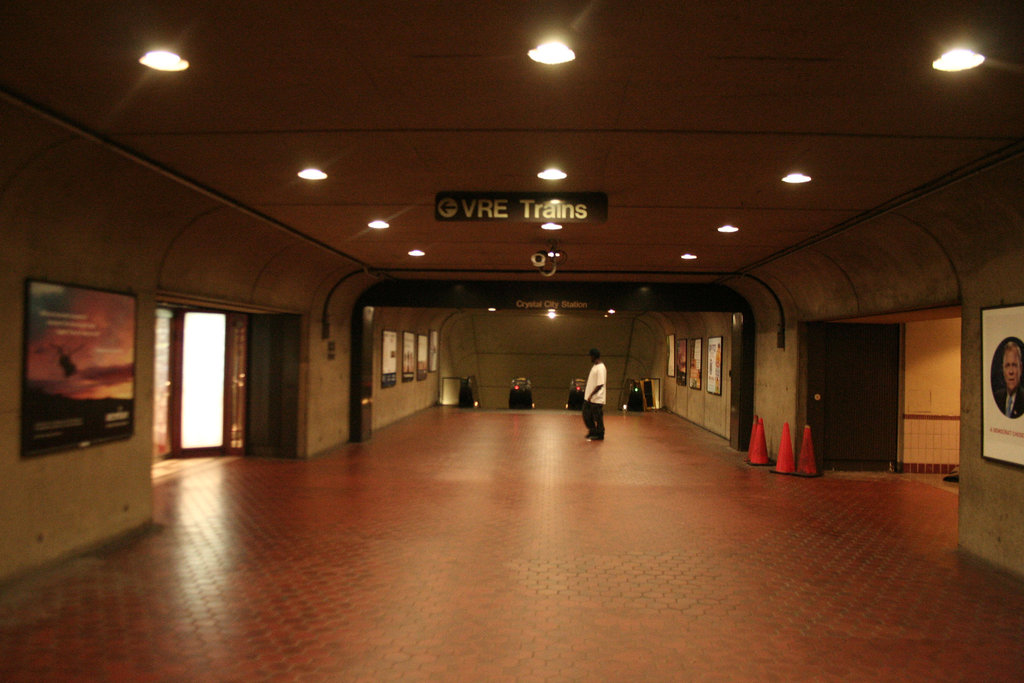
(417, 252)
(796, 178)
(161, 60)
(551, 226)
(552, 313)
(492, 309)
(379, 225)
(611, 311)
(552, 53)
(727, 228)
(312, 174)
(552, 174)
(958, 60)
(688, 256)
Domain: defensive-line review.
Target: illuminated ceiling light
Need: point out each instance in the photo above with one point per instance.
(726, 228)
(552, 53)
(312, 174)
(551, 313)
(551, 226)
(796, 178)
(688, 256)
(492, 309)
(611, 311)
(161, 60)
(379, 225)
(417, 252)
(958, 60)
(552, 174)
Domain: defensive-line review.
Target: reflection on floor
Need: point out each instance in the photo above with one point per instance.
(493, 546)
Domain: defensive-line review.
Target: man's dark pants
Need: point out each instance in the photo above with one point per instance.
(593, 418)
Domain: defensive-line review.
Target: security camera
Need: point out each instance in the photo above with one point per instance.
(539, 259)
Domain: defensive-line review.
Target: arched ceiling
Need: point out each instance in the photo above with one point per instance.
(686, 115)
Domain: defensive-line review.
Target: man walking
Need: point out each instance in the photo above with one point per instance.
(594, 397)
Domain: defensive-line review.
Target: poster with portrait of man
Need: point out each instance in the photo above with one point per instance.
(1002, 395)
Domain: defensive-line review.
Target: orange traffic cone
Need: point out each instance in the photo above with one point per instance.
(758, 447)
(807, 466)
(753, 435)
(784, 464)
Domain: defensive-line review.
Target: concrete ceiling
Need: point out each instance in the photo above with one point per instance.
(686, 115)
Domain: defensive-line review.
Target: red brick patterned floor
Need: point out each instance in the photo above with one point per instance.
(502, 546)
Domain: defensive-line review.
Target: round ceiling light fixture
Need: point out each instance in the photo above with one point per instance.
(796, 178)
(958, 60)
(727, 228)
(162, 60)
(379, 225)
(552, 174)
(312, 174)
(552, 53)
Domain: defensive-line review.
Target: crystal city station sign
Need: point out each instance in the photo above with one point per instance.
(519, 207)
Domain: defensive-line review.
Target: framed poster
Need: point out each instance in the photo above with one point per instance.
(432, 363)
(670, 344)
(78, 380)
(695, 358)
(408, 356)
(681, 362)
(715, 365)
(421, 356)
(389, 359)
(1001, 394)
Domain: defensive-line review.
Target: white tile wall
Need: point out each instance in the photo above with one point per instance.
(931, 439)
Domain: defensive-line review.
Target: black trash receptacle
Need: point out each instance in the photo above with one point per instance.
(466, 394)
(520, 394)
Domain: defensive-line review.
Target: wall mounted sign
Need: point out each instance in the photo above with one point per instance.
(521, 207)
(78, 386)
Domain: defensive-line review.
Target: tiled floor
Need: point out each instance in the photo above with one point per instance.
(502, 546)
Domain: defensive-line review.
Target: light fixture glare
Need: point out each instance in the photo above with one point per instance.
(417, 252)
(162, 60)
(312, 174)
(796, 178)
(727, 228)
(958, 60)
(551, 226)
(379, 225)
(688, 256)
(552, 53)
(552, 174)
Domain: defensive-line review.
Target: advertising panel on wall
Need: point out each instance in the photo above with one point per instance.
(1002, 396)
(695, 363)
(78, 384)
(408, 356)
(421, 356)
(389, 359)
(715, 365)
(681, 361)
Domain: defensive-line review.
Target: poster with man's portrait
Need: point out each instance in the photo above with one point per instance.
(1002, 395)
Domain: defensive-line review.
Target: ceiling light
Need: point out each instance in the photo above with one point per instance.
(417, 252)
(551, 226)
(688, 256)
(161, 60)
(796, 178)
(551, 313)
(611, 311)
(958, 60)
(552, 53)
(552, 174)
(727, 228)
(379, 225)
(312, 174)
(492, 309)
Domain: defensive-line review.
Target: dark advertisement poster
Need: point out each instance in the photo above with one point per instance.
(79, 367)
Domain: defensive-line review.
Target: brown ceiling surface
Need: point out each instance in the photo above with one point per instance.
(685, 114)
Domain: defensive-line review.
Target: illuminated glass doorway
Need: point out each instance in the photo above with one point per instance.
(199, 383)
